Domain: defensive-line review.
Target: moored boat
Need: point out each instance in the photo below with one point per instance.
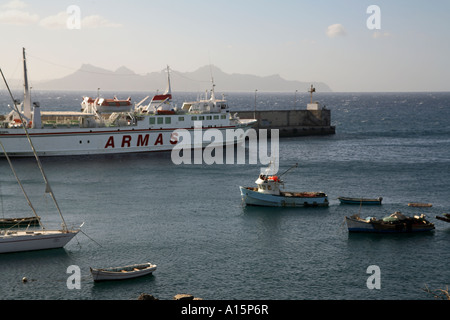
(419, 204)
(395, 223)
(112, 126)
(267, 193)
(446, 217)
(122, 273)
(42, 238)
(361, 201)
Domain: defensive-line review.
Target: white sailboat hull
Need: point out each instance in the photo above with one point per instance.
(19, 241)
(255, 198)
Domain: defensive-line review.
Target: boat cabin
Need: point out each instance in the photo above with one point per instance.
(268, 184)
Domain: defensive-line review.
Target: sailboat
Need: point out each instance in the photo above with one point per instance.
(33, 239)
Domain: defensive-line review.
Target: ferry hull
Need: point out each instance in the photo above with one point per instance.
(97, 141)
(255, 198)
(37, 240)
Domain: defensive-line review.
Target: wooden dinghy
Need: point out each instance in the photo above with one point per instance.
(361, 201)
(446, 217)
(419, 204)
(122, 273)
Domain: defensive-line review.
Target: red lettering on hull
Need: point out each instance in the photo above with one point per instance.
(159, 140)
(126, 140)
(141, 141)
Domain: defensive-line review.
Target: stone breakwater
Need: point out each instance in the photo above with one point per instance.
(292, 123)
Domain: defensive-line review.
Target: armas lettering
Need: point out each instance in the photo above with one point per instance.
(141, 141)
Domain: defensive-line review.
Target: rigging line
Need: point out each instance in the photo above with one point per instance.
(20, 184)
(47, 184)
(90, 238)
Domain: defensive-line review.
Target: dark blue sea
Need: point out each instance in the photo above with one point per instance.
(189, 219)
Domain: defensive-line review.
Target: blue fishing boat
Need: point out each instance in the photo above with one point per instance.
(360, 201)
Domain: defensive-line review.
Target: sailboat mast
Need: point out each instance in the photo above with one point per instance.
(48, 189)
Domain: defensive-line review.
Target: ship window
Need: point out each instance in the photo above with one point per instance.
(216, 117)
(152, 120)
(223, 116)
(180, 118)
(201, 118)
(194, 118)
(208, 117)
(168, 120)
(160, 120)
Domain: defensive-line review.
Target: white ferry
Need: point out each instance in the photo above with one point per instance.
(112, 126)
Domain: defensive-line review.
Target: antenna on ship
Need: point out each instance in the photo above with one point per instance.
(26, 93)
(213, 85)
(169, 89)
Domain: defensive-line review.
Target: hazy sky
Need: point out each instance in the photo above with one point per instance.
(322, 40)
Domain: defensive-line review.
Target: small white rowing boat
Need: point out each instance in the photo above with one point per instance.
(122, 273)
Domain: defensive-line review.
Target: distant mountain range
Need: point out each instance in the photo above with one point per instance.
(89, 78)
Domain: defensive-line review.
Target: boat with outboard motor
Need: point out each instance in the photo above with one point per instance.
(112, 126)
(268, 193)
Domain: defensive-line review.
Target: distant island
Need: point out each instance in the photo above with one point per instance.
(89, 78)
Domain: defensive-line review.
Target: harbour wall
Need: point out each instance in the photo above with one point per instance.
(292, 123)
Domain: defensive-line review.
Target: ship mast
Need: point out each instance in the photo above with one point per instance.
(168, 89)
(26, 108)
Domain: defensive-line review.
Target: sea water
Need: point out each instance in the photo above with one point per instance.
(189, 220)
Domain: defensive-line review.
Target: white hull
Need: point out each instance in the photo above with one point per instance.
(255, 198)
(107, 140)
(18, 241)
(122, 273)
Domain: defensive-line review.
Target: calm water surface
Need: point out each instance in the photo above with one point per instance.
(189, 219)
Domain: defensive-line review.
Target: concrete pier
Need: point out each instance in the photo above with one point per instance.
(292, 123)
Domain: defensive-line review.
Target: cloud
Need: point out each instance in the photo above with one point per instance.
(18, 17)
(336, 30)
(12, 13)
(59, 21)
(15, 5)
(378, 35)
(96, 21)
